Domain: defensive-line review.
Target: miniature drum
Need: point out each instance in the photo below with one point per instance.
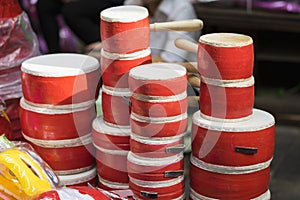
(158, 127)
(195, 196)
(110, 137)
(125, 29)
(156, 147)
(226, 56)
(158, 79)
(159, 106)
(234, 143)
(75, 76)
(234, 183)
(55, 123)
(164, 190)
(80, 179)
(226, 100)
(155, 169)
(66, 157)
(112, 164)
(115, 67)
(116, 106)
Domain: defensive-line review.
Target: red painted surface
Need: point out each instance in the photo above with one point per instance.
(159, 108)
(224, 143)
(68, 158)
(112, 166)
(164, 193)
(168, 87)
(116, 109)
(125, 37)
(226, 102)
(72, 89)
(115, 72)
(57, 126)
(229, 186)
(163, 128)
(225, 63)
(153, 150)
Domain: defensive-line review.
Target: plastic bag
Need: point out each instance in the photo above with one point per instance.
(23, 174)
(18, 42)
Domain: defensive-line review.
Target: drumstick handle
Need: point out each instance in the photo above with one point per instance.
(182, 25)
(191, 67)
(186, 45)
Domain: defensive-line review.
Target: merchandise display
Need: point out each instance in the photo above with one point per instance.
(135, 149)
(233, 144)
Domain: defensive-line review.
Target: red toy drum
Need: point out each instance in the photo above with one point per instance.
(226, 56)
(195, 196)
(231, 100)
(230, 183)
(115, 67)
(110, 137)
(164, 190)
(112, 164)
(234, 143)
(156, 147)
(75, 76)
(66, 157)
(108, 185)
(125, 29)
(116, 106)
(159, 106)
(155, 169)
(80, 179)
(158, 127)
(158, 79)
(56, 123)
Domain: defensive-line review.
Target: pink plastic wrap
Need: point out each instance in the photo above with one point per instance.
(18, 42)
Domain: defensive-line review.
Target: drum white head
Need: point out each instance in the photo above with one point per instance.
(60, 65)
(157, 71)
(124, 14)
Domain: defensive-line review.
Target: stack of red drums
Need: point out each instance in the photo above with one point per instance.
(158, 124)
(57, 112)
(125, 35)
(232, 143)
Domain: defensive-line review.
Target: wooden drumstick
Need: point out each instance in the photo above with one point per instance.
(186, 45)
(191, 67)
(194, 80)
(183, 25)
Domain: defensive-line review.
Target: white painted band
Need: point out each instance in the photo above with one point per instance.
(229, 169)
(159, 99)
(144, 161)
(129, 56)
(156, 184)
(76, 142)
(240, 83)
(162, 120)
